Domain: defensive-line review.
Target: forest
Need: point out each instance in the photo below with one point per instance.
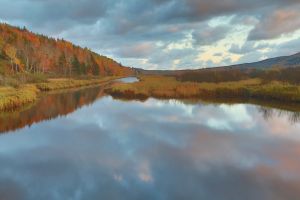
(22, 51)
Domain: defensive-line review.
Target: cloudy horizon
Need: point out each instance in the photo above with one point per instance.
(167, 34)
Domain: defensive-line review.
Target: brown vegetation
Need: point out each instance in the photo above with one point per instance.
(169, 87)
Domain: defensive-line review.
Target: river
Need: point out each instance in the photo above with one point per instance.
(82, 144)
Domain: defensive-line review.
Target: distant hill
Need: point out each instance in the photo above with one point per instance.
(278, 62)
(285, 69)
(281, 62)
(24, 51)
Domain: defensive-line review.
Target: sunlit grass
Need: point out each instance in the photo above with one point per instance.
(63, 83)
(20, 95)
(11, 98)
(169, 87)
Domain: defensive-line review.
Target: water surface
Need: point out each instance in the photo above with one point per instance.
(128, 80)
(83, 145)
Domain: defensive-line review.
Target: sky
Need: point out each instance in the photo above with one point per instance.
(166, 34)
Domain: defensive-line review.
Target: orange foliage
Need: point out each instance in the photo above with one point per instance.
(39, 53)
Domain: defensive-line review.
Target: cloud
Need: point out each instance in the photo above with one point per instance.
(136, 51)
(144, 31)
(275, 24)
(247, 47)
(209, 35)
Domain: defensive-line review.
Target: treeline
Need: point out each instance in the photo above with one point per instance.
(25, 51)
(289, 75)
(213, 75)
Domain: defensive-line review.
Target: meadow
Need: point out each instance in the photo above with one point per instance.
(169, 87)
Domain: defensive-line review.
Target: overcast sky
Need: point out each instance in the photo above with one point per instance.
(166, 34)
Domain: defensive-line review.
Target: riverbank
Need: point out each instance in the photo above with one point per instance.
(168, 87)
(12, 98)
(58, 84)
(161, 87)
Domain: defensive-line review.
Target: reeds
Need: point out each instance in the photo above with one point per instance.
(11, 98)
(169, 87)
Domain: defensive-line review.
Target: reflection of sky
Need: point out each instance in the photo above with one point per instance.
(128, 80)
(153, 150)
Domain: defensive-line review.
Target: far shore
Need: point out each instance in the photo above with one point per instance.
(164, 87)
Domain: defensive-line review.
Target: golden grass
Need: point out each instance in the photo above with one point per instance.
(11, 98)
(169, 87)
(57, 84)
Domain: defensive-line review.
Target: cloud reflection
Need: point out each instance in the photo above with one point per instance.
(152, 150)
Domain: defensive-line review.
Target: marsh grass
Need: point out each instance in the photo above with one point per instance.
(169, 87)
(11, 98)
(16, 96)
(63, 83)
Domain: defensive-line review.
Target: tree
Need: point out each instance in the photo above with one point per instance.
(1, 46)
(62, 63)
(11, 53)
(76, 65)
(95, 66)
(83, 68)
(37, 53)
(26, 54)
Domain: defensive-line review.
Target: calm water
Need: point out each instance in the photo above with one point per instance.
(83, 145)
(128, 79)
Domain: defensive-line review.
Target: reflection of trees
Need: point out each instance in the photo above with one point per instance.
(49, 107)
(268, 113)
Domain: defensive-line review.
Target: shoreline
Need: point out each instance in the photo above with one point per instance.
(160, 87)
(13, 98)
(169, 88)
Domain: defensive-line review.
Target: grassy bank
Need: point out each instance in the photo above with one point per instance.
(169, 87)
(58, 84)
(11, 98)
(15, 97)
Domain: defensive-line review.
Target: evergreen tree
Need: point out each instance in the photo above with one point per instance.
(83, 68)
(76, 65)
(62, 63)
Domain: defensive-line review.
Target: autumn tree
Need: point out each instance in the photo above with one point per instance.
(40, 54)
(11, 53)
(94, 66)
(1, 46)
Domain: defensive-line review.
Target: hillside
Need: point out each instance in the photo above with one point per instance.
(285, 68)
(24, 51)
(283, 62)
